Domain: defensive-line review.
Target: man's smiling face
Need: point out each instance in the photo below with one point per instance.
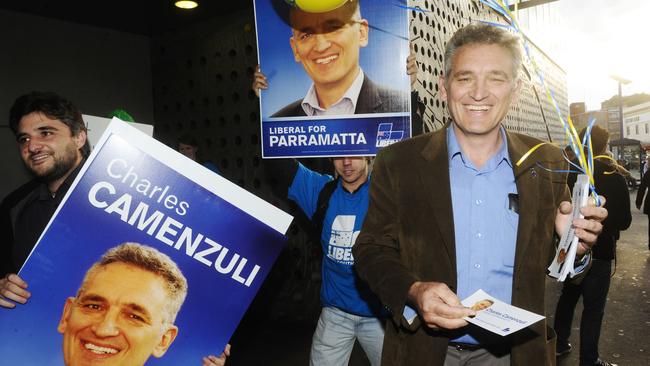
(480, 87)
(327, 44)
(47, 146)
(120, 317)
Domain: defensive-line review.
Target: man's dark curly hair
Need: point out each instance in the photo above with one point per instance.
(53, 106)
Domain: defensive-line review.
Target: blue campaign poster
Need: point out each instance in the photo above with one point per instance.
(223, 239)
(306, 56)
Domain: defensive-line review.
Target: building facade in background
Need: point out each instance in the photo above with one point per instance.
(637, 122)
(610, 108)
(581, 117)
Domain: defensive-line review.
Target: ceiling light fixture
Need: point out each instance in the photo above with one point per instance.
(185, 4)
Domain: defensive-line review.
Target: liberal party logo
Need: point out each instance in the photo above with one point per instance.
(386, 136)
(342, 239)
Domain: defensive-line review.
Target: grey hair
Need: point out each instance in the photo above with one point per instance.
(151, 260)
(487, 35)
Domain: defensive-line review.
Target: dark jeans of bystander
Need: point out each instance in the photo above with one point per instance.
(593, 288)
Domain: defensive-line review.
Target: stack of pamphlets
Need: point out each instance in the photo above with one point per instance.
(562, 264)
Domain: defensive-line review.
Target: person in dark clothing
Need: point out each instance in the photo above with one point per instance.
(594, 286)
(644, 200)
(51, 137)
(188, 146)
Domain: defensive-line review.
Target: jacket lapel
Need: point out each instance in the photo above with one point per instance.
(434, 176)
(369, 100)
(528, 188)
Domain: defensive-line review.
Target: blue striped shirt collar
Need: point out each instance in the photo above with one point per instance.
(454, 149)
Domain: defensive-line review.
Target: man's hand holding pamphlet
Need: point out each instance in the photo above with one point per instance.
(491, 314)
(497, 316)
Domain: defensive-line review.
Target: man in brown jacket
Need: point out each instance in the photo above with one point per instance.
(451, 213)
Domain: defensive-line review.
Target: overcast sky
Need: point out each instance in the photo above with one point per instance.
(603, 37)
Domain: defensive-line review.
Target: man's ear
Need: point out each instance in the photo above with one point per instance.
(442, 87)
(80, 139)
(67, 308)
(296, 56)
(166, 341)
(363, 32)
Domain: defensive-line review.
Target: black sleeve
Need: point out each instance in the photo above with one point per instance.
(6, 240)
(7, 264)
(417, 111)
(617, 203)
(571, 180)
(640, 194)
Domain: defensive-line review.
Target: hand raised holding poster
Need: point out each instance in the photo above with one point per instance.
(337, 80)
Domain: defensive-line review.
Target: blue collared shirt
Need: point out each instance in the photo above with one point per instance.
(485, 228)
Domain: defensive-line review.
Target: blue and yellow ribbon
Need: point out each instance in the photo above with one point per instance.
(582, 150)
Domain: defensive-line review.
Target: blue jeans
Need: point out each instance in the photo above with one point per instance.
(335, 335)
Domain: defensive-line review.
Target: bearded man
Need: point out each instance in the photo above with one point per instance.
(51, 137)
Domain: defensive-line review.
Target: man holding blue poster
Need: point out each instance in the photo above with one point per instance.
(51, 137)
(328, 47)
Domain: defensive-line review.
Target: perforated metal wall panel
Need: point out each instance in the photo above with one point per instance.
(202, 83)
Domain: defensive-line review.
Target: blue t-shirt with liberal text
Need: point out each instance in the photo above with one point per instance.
(342, 223)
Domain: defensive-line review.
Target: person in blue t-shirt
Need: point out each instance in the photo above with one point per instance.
(350, 310)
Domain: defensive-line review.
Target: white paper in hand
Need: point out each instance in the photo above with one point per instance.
(565, 255)
(497, 316)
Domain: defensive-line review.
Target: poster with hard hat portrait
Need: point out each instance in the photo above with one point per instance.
(336, 75)
(150, 259)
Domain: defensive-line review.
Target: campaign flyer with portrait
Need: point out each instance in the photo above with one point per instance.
(497, 316)
(337, 81)
(197, 234)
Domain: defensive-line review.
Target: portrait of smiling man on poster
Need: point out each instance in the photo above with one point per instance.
(125, 309)
(337, 52)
